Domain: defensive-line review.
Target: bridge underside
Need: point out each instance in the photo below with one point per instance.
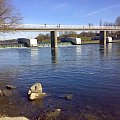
(54, 38)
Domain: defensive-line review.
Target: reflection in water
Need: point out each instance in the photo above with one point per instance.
(105, 50)
(34, 55)
(78, 50)
(109, 48)
(54, 55)
(102, 51)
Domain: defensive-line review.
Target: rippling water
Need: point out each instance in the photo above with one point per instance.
(91, 73)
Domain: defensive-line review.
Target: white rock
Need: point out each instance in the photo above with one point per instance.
(35, 96)
(14, 118)
(36, 88)
(1, 93)
(35, 92)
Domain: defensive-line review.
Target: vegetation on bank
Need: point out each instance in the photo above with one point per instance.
(85, 36)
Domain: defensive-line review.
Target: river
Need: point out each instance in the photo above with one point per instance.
(91, 73)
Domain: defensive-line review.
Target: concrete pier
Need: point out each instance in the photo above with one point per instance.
(53, 39)
(102, 37)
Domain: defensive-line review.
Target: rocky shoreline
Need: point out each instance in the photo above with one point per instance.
(16, 109)
(34, 93)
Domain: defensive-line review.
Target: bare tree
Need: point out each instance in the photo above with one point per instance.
(9, 17)
(117, 22)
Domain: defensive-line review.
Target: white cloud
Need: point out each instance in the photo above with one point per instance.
(101, 10)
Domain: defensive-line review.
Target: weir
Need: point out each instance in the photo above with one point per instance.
(53, 29)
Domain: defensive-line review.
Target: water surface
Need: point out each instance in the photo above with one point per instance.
(91, 73)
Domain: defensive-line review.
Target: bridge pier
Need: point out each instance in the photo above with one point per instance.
(53, 39)
(102, 37)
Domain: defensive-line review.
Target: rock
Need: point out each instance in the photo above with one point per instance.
(10, 87)
(66, 96)
(35, 92)
(7, 92)
(1, 93)
(35, 96)
(89, 107)
(51, 115)
(36, 88)
(14, 118)
(90, 116)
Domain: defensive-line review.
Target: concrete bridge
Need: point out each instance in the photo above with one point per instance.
(53, 29)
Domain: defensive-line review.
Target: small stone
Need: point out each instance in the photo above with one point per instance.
(7, 92)
(10, 87)
(90, 117)
(1, 93)
(89, 107)
(51, 115)
(14, 118)
(68, 96)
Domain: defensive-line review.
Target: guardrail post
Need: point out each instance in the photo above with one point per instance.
(103, 37)
(53, 39)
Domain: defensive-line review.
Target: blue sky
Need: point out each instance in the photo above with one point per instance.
(79, 12)
(66, 12)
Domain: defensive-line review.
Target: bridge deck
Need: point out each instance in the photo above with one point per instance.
(37, 27)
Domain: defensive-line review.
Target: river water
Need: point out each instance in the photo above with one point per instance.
(91, 73)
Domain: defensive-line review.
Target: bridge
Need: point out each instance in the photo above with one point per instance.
(53, 29)
(47, 28)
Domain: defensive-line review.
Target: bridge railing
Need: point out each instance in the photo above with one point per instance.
(35, 26)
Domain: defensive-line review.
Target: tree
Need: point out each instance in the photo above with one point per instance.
(108, 24)
(9, 17)
(100, 23)
(117, 22)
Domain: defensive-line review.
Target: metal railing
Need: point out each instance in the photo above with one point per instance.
(62, 27)
(65, 26)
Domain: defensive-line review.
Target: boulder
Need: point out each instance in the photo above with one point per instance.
(54, 114)
(35, 92)
(36, 88)
(10, 87)
(7, 92)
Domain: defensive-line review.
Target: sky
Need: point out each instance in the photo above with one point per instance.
(68, 12)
